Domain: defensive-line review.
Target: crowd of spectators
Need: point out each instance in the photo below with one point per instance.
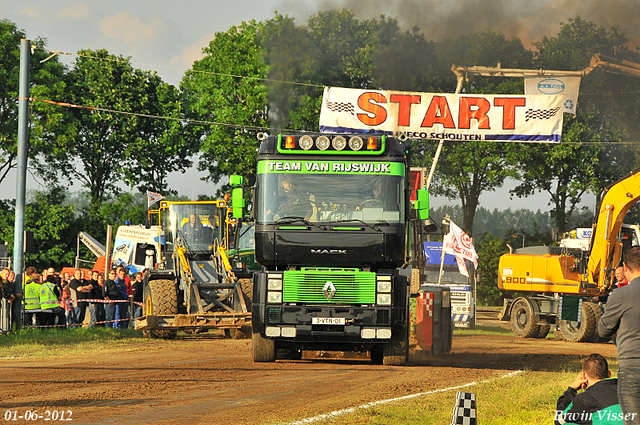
(61, 300)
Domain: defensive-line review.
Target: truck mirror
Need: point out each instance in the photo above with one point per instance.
(236, 180)
(237, 202)
(422, 203)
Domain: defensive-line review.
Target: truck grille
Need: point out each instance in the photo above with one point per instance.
(460, 298)
(383, 317)
(351, 286)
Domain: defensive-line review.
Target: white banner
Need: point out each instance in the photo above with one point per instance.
(442, 116)
(458, 243)
(569, 87)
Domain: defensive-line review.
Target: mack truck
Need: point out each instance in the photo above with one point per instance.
(563, 286)
(331, 218)
(188, 283)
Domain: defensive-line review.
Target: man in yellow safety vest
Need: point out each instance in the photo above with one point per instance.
(32, 301)
(49, 294)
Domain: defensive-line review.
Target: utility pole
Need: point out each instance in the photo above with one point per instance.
(23, 140)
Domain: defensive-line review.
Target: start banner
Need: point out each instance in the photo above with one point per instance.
(471, 117)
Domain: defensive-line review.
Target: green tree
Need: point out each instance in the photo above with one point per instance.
(590, 156)
(162, 145)
(54, 226)
(42, 75)
(489, 249)
(468, 169)
(226, 87)
(112, 142)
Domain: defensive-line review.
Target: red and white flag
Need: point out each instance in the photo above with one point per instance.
(458, 243)
(152, 198)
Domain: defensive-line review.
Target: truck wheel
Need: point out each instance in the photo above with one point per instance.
(396, 352)
(376, 356)
(264, 350)
(583, 331)
(160, 297)
(524, 323)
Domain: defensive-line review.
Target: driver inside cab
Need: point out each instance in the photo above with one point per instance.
(290, 201)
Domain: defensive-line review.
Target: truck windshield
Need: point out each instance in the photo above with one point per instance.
(247, 237)
(195, 224)
(330, 198)
(449, 275)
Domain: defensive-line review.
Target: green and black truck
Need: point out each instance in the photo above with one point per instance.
(331, 216)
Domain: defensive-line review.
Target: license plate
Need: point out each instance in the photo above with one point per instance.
(327, 321)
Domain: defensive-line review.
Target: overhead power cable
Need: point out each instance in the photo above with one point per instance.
(137, 114)
(257, 128)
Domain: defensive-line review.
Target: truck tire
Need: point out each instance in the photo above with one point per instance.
(160, 297)
(583, 331)
(597, 311)
(376, 355)
(524, 323)
(264, 350)
(396, 352)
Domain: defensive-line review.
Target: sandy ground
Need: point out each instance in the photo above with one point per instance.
(212, 380)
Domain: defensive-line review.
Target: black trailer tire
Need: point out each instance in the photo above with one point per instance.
(161, 297)
(264, 350)
(524, 322)
(583, 331)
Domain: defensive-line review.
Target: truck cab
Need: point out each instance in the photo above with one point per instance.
(462, 287)
(331, 220)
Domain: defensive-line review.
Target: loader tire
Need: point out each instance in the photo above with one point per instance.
(583, 331)
(238, 333)
(247, 290)
(160, 297)
(543, 331)
(264, 350)
(524, 322)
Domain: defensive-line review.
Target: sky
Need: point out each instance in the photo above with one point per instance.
(168, 36)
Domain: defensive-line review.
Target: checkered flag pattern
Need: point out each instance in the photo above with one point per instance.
(341, 107)
(540, 114)
(428, 297)
(464, 411)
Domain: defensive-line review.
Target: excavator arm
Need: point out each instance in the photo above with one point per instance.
(606, 251)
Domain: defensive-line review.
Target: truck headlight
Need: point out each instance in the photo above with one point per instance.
(274, 284)
(274, 297)
(384, 286)
(383, 299)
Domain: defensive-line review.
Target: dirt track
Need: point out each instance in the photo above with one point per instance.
(213, 380)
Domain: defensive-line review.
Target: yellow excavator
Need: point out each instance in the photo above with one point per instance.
(553, 276)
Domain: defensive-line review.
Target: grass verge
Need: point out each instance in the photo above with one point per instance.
(51, 342)
(521, 399)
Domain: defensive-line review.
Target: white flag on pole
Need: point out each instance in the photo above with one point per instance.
(458, 243)
(152, 198)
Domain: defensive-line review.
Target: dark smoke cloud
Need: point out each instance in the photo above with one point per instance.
(529, 20)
